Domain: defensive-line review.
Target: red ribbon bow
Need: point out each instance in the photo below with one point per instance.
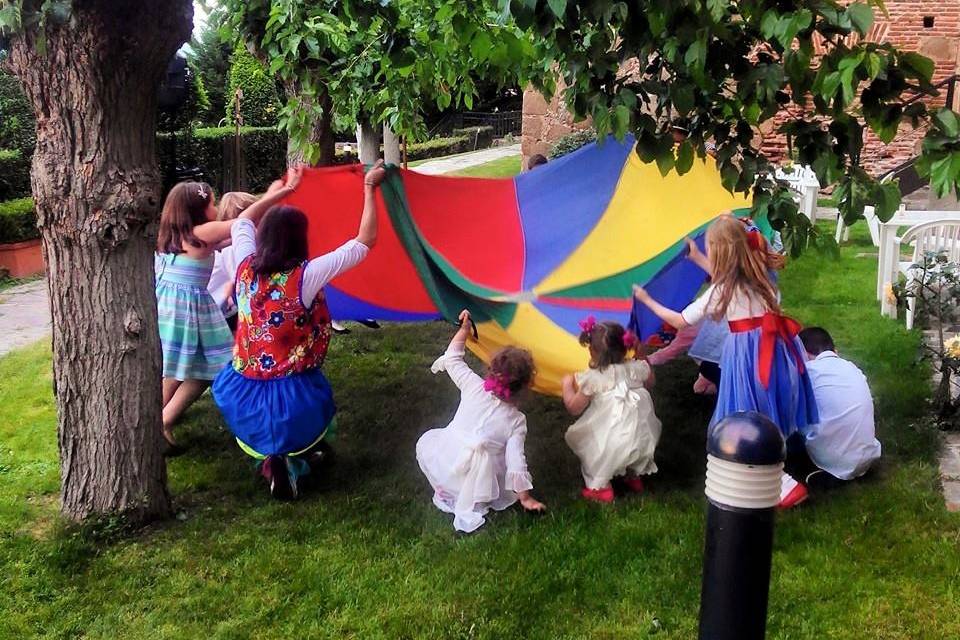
(772, 326)
(755, 239)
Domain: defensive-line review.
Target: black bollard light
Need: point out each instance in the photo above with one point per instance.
(745, 453)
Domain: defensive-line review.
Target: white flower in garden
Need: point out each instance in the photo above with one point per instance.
(951, 347)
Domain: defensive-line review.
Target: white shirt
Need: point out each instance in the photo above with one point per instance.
(318, 272)
(224, 274)
(844, 444)
(743, 304)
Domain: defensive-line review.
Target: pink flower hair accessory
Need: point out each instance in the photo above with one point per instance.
(629, 339)
(588, 324)
(496, 385)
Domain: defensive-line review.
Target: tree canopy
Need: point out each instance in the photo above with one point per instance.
(384, 60)
(721, 68)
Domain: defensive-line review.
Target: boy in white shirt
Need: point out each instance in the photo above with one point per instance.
(843, 446)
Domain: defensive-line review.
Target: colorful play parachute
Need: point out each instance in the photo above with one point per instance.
(529, 256)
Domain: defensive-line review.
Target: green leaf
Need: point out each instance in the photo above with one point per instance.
(861, 16)
(684, 157)
(480, 46)
(769, 23)
(948, 122)
(665, 161)
(559, 7)
(919, 64)
(621, 119)
(681, 94)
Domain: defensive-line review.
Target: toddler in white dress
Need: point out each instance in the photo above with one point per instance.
(477, 463)
(617, 432)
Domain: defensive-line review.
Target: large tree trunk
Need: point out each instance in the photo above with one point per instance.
(96, 188)
(391, 146)
(321, 134)
(368, 142)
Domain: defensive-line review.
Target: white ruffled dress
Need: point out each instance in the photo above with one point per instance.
(619, 431)
(475, 463)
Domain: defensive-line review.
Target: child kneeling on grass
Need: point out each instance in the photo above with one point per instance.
(477, 462)
(274, 397)
(618, 431)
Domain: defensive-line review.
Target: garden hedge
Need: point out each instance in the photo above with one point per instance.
(14, 174)
(482, 135)
(17, 124)
(571, 142)
(18, 221)
(439, 147)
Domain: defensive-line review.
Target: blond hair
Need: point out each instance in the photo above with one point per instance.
(735, 264)
(233, 203)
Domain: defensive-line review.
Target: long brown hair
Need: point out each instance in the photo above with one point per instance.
(185, 208)
(738, 265)
(281, 240)
(606, 344)
(233, 203)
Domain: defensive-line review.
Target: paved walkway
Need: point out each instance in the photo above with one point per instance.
(464, 160)
(24, 315)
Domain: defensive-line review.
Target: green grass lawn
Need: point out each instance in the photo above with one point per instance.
(366, 555)
(501, 168)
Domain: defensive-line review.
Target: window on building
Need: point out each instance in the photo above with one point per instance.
(928, 22)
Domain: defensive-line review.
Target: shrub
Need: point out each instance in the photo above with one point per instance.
(17, 124)
(212, 151)
(260, 104)
(18, 221)
(439, 147)
(14, 174)
(571, 142)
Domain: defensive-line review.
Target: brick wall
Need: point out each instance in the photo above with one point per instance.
(543, 123)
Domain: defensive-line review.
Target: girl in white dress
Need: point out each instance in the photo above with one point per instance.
(617, 432)
(477, 463)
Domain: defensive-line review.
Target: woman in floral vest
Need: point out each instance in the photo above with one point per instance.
(274, 397)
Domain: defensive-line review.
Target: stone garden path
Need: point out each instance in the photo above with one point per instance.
(464, 160)
(24, 315)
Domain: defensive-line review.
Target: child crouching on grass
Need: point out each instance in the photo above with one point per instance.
(477, 462)
(617, 432)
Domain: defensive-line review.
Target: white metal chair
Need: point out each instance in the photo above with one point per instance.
(805, 186)
(935, 236)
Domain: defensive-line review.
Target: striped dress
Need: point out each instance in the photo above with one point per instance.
(195, 338)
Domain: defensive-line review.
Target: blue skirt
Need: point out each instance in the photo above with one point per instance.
(788, 400)
(275, 417)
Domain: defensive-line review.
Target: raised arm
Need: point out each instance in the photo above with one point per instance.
(671, 317)
(367, 234)
(277, 192)
(696, 257)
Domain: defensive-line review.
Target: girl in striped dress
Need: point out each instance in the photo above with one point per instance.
(194, 336)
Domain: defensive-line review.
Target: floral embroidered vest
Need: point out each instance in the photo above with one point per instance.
(276, 334)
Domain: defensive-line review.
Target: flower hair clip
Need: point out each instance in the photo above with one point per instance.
(588, 324)
(202, 192)
(629, 340)
(495, 384)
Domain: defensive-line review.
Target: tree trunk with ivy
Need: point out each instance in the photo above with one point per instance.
(321, 133)
(93, 80)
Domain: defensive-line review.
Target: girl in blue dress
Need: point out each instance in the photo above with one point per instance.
(762, 364)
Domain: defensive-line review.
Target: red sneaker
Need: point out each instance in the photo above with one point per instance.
(795, 496)
(604, 495)
(633, 484)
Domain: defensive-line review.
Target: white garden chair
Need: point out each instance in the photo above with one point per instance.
(805, 186)
(873, 225)
(935, 236)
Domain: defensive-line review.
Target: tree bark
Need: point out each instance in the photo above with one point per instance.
(368, 142)
(321, 133)
(96, 188)
(391, 146)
